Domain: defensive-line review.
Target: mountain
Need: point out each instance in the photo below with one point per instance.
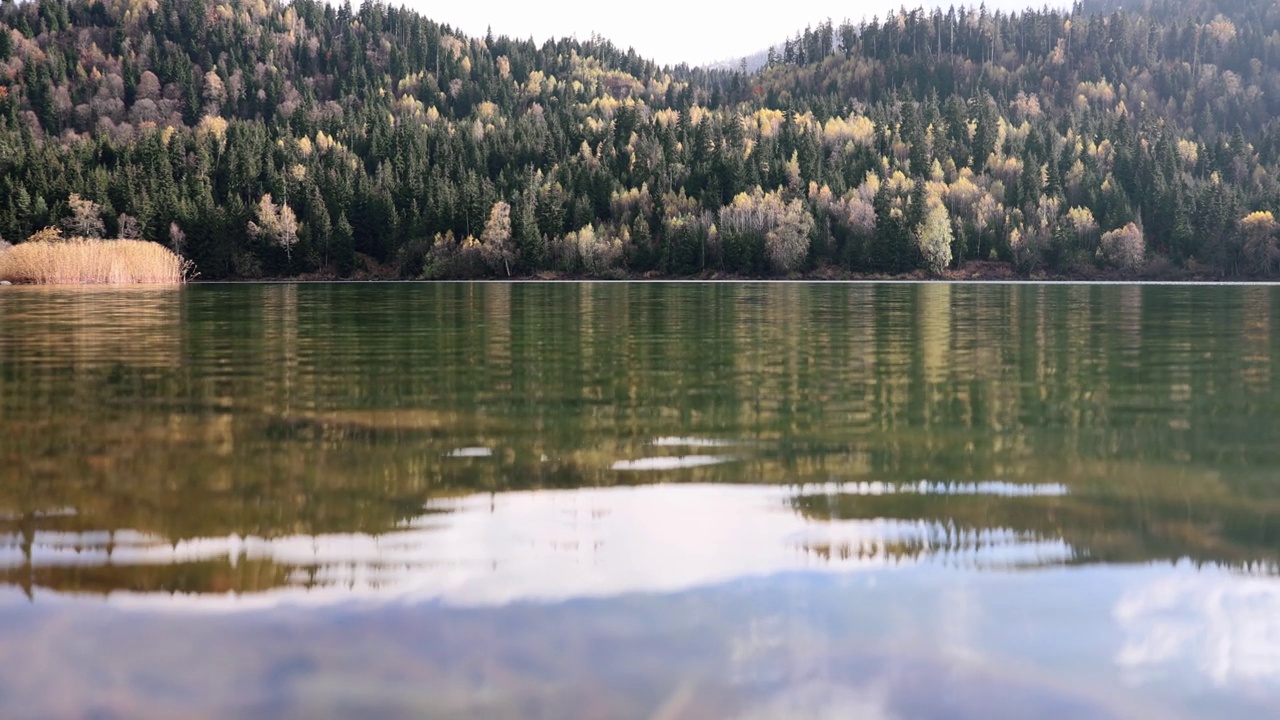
(749, 63)
(271, 139)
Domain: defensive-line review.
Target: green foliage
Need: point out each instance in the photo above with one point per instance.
(382, 130)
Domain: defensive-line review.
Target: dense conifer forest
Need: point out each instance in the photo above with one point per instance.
(267, 139)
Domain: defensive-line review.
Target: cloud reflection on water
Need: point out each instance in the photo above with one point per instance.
(551, 546)
(615, 547)
(492, 549)
(1225, 628)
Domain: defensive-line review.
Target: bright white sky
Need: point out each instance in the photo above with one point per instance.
(668, 31)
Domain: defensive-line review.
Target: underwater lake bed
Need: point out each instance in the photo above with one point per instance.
(666, 500)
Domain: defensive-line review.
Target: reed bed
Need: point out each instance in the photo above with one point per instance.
(82, 261)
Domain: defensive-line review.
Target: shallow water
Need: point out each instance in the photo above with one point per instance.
(639, 500)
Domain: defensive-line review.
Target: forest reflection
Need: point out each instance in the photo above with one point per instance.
(248, 438)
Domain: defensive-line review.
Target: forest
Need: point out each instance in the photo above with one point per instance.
(266, 139)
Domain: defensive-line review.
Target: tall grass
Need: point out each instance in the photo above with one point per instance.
(92, 262)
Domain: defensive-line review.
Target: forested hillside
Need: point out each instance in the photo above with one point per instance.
(267, 139)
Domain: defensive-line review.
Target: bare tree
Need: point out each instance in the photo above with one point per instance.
(496, 238)
(177, 239)
(215, 92)
(148, 86)
(787, 242)
(85, 219)
(130, 228)
(1124, 247)
(765, 217)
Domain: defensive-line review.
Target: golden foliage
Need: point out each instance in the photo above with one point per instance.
(1258, 221)
(86, 261)
(899, 184)
(1124, 247)
(961, 195)
(49, 234)
(934, 236)
(533, 86)
(276, 223)
(409, 106)
(1081, 223)
(212, 125)
(628, 203)
(857, 129)
(1259, 230)
(767, 121)
(666, 117)
(594, 252)
(1097, 94)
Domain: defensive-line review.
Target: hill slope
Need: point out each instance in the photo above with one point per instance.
(276, 139)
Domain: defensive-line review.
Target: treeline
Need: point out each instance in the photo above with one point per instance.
(264, 139)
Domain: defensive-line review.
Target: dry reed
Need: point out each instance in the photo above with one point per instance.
(81, 261)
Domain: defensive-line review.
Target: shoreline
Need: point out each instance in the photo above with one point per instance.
(977, 272)
(974, 272)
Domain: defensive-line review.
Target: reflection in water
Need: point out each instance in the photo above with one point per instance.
(692, 442)
(1227, 629)
(470, 452)
(91, 325)
(935, 331)
(548, 545)
(487, 448)
(335, 410)
(676, 462)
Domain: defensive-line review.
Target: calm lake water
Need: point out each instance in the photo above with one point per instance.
(640, 501)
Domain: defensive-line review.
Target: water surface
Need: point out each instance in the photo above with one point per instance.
(639, 500)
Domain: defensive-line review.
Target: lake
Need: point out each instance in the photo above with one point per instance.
(640, 501)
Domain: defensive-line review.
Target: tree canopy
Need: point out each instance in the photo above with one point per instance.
(267, 138)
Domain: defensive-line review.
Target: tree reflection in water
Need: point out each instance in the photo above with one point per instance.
(484, 447)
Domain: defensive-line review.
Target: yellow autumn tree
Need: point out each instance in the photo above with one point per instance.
(933, 237)
(1259, 234)
(1081, 228)
(277, 224)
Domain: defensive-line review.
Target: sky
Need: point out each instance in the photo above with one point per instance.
(667, 31)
